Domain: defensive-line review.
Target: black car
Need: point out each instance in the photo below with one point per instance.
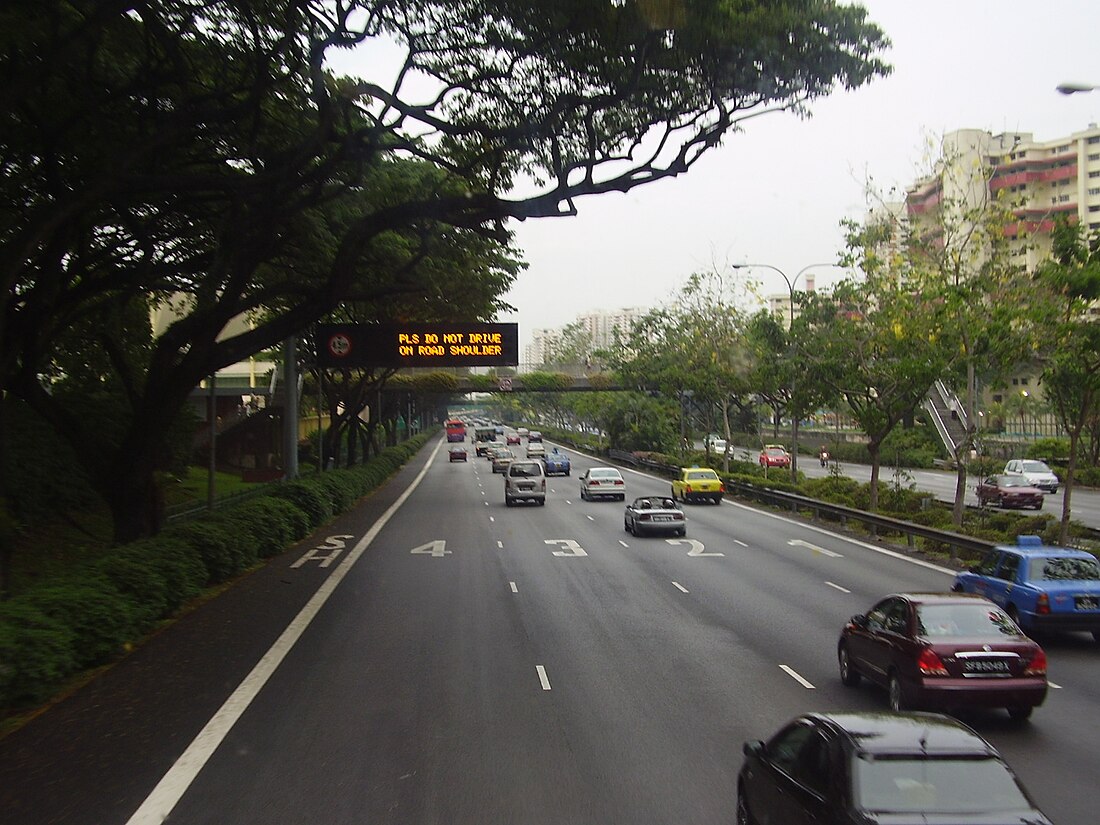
(867, 768)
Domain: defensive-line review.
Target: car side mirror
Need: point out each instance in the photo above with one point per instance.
(753, 748)
(860, 621)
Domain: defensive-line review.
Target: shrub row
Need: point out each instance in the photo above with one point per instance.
(89, 616)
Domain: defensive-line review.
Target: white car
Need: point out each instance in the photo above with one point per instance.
(1037, 473)
(603, 482)
(715, 442)
(536, 450)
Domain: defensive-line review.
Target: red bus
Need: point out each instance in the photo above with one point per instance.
(456, 430)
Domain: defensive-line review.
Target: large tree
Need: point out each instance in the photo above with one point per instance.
(202, 148)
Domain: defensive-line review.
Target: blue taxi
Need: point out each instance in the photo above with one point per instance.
(557, 463)
(1041, 587)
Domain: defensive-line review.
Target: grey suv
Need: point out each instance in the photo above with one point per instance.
(525, 481)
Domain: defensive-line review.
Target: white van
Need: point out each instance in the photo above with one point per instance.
(525, 481)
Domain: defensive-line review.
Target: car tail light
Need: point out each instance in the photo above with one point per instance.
(1038, 664)
(619, 482)
(544, 485)
(687, 488)
(645, 517)
(721, 487)
(1042, 606)
(930, 664)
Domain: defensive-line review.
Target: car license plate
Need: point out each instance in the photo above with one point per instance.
(1086, 602)
(662, 518)
(986, 666)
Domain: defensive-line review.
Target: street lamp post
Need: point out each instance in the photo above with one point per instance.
(790, 282)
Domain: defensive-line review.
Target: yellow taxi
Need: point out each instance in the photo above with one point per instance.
(698, 484)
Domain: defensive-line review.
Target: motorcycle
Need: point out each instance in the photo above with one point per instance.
(824, 456)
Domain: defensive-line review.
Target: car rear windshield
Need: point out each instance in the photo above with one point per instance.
(699, 475)
(937, 620)
(935, 785)
(525, 470)
(604, 474)
(1064, 569)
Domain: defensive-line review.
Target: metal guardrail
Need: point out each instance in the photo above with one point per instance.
(187, 509)
(797, 503)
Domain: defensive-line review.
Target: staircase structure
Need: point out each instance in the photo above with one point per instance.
(949, 416)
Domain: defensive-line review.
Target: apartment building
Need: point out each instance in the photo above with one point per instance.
(599, 325)
(1038, 181)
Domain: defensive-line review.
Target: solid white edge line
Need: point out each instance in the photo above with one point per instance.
(794, 675)
(513, 586)
(738, 541)
(174, 784)
(680, 587)
(838, 587)
(542, 677)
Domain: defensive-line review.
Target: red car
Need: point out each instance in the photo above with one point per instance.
(1009, 491)
(942, 651)
(774, 456)
(512, 438)
(457, 453)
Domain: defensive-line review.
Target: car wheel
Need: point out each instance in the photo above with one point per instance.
(849, 676)
(567, 473)
(683, 531)
(542, 502)
(508, 502)
(622, 497)
(717, 499)
(583, 496)
(626, 525)
(1020, 714)
(957, 588)
(1096, 635)
(1038, 506)
(897, 699)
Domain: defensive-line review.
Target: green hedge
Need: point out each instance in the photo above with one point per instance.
(86, 618)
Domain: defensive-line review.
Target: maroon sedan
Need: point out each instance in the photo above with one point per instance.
(1009, 491)
(942, 651)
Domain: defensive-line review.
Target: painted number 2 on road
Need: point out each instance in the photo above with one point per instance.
(697, 547)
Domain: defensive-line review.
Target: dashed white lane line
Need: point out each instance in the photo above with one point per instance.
(1051, 684)
(590, 518)
(680, 587)
(838, 587)
(483, 492)
(623, 543)
(492, 518)
(738, 541)
(500, 544)
(542, 677)
(486, 504)
(794, 675)
(513, 586)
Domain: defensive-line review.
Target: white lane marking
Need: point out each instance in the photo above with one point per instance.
(500, 544)
(838, 587)
(513, 586)
(590, 518)
(567, 501)
(1051, 684)
(623, 543)
(680, 587)
(738, 541)
(492, 518)
(880, 550)
(542, 677)
(172, 786)
(815, 548)
(486, 504)
(791, 672)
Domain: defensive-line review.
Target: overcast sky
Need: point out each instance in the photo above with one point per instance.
(777, 192)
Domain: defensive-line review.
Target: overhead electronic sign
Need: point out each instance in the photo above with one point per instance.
(354, 346)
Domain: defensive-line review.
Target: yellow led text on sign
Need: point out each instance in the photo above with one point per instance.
(453, 344)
